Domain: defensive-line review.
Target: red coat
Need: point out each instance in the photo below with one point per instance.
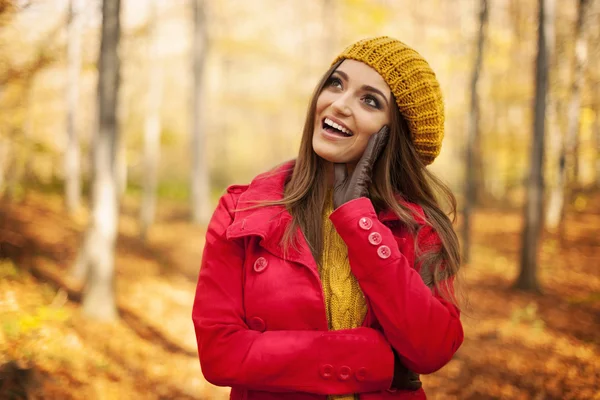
(260, 317)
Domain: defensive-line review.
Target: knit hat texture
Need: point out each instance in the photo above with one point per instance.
(414, 86)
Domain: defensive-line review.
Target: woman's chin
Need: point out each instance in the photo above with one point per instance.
(333, 158)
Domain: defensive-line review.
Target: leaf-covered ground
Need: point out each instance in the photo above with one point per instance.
(517, 345)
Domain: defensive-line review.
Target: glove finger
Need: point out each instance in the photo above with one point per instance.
(373, 150)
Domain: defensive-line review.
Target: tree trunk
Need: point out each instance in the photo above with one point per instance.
(201, 208)
(152, 126)
(596, 129)
(4, 162)
(527, 279)
(72, 153)
(555, 132)
(556, 139)
(568, 158)
(579, 64)
(121, 171)
(473, 134)
(517, 51)
(96, 257)
(4, 150)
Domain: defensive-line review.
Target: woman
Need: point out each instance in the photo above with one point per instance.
(331, 277)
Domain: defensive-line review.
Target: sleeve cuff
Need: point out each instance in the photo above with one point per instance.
(371, 244)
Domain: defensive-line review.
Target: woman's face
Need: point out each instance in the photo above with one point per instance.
(353, 106)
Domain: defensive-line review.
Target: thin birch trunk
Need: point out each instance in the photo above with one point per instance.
(597, 130)
(4, 162)
(555, 143)
(527, 279)
(201, 208)
(4, 154)
(152, 126)
(568, 154)
(72, 157)
(96, 257)
(473, 140)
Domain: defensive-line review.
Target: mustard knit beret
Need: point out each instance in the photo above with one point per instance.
(414, 86)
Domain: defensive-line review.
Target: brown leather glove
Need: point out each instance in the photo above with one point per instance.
(404, 378)
(357, 185)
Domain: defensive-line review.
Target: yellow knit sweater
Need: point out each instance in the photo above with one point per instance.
(344, 301)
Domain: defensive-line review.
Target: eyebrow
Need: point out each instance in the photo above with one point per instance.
(364, 87)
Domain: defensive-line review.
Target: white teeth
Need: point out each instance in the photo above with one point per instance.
(337, 126)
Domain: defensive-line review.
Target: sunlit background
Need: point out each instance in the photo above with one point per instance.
(262, 60)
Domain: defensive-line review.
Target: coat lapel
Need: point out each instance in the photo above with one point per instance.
(269, 222)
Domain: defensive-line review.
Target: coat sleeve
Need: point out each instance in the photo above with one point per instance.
(231, 354)
(423, 328)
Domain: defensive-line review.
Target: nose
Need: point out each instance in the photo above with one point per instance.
(341, 106)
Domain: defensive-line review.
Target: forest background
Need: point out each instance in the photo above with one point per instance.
(211, 93)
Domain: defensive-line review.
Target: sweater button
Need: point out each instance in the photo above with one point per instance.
(384, 252)
(344, 373)
(365, 223)
(375, 238)
(326, 371)
(260, 264)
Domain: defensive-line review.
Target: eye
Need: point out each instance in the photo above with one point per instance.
(334, 82)
(371, 101)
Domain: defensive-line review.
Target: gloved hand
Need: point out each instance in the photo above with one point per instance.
(404, 379)
(357, 185)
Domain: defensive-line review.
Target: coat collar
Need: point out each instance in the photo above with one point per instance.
(270, 222)
(260, 221)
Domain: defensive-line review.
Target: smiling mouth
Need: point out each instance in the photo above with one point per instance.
(331, 127)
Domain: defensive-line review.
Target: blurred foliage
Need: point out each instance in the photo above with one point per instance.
(257, 84)
(8, 270)
(17, 326)
(551, 342)
(528, 315)
(166, 189)
(256, 89)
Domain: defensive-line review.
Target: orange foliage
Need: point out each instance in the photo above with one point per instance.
(517, 346)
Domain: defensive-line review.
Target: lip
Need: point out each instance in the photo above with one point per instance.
(337, 121)
(331, 137)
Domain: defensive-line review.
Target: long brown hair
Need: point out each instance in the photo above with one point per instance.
(397, 172)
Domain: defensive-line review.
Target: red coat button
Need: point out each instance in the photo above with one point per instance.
(384, 252)
(365, 223)
(361, 374)
(375, 238)
(260, 264)
(344, 373)
(257, 324)
(326, 371)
